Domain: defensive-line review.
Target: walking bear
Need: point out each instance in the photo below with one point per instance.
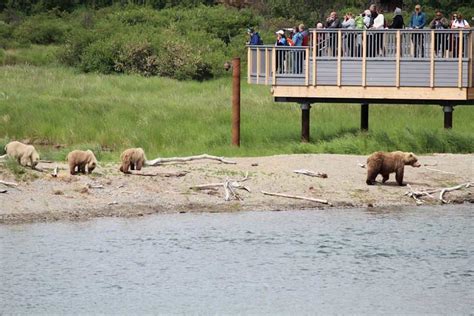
(81, 159)
(24, 154)
(385, 163)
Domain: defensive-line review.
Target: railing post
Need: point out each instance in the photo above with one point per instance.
(471, 57)
(339, 54)
(315, 48)
(305, 126)
(460, 53)
(249, 64)
(398, 54)
(267, 68)
(258, 65)
(432, 56)
(236, 102)
(274, 65)
(364, 59)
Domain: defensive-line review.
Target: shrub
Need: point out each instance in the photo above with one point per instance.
(100, 56)
(137, 58)
(41, 29)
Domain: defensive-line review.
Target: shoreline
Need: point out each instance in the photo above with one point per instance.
(109, 193)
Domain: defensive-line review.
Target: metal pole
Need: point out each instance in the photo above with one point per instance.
(305, 107)
(236, 102)
(364, 117)
(448, 116)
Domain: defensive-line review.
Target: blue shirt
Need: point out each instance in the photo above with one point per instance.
(297, 39)
(255, 39)
(418, 21)
(282, 42)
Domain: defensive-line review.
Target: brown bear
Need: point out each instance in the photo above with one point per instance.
(385, 163)
(132, 158)
(24, 154)
(81, 160)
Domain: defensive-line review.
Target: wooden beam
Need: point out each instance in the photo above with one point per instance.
(398, 54)
(315, 49)
(364, 59)
(460, 51)
(273, 66)
(307, 66)
(432, 55)
(339, 55)
(471, 61)
(367, 93)
(258, 65)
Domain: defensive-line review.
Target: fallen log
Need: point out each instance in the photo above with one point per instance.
(9, 184)
(417, 195)
(296, 197)
(444, 190)
(230, 187)
(311, 173)
(162, 174)
(160, 161)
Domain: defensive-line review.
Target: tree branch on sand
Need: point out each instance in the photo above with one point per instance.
(9, 184)
(311, 173)
(162, 174)
(417, 195)
(297, 197)
(160, 161)
(230, 187)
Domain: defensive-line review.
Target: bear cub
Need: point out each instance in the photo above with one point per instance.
(132, 158)
(81, 159)
(24, 154)
(385, 163)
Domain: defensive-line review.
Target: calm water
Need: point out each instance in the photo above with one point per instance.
(418, 260)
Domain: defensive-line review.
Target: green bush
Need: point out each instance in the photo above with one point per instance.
(100, 56)
(41, 29)
(137, 59)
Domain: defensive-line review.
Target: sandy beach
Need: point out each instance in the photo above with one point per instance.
(108, 192)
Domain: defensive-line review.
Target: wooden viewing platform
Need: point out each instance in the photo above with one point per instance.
(370, 66)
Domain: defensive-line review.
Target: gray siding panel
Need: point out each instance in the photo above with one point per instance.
(326, 72)
(446, 74)
(351, 73)
(415, 73)
(380, 73)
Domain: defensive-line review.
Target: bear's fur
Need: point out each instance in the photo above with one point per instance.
(132, 158)
(24, 154)
(385, 163)
(81, 160)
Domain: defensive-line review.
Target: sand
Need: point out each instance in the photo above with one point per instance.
(108, 192)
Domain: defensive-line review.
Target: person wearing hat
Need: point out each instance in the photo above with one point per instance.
(255, 38)
(417, 22)
(280, 54)
(397, 22)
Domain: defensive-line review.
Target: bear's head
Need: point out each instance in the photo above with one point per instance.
(411, 159)
(91, 161)
(34, 158)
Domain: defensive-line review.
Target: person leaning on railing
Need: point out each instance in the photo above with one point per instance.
(349, 37)
(441, 39)
(333, 22)
(458, 23)
(397, 22)
(280, 55)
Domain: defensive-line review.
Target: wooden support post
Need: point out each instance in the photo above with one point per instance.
(305, 108)
(460, 51)
(364, 117)
(364, 59)
(315, 49)
(399, 49)
(236, 102)
(432, 56)
(258, 65)
(448, 116)
(249, 65)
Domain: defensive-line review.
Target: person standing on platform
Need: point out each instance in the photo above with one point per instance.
(417, 22)
(441, 39)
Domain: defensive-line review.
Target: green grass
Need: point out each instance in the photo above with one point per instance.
(36, 55)
(53, 105)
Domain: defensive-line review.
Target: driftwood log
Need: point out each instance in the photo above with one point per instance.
(311, 173)
(9, 184)
(297, 197)
(160, 161)
(230, 187)
(417, 195)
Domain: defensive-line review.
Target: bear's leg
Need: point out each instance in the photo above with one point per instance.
(124, 167)
(132, 166)
(139, 165)
(399, 176)
(385, 177)
(371, 178)
(82, 168)
(72, 168)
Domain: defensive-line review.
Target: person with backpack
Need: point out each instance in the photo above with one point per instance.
(458, 23)
(255, 38)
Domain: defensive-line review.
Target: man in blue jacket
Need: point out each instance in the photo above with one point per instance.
(254, 37)
(417, 22)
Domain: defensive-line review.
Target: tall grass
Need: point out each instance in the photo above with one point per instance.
(166, 117)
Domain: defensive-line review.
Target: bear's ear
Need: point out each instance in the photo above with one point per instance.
(410, 155)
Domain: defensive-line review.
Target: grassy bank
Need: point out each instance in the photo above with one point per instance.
(59, 106)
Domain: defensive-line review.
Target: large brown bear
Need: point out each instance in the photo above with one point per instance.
(385, 163)
(24, 154)
(81, 160)
(132, 158)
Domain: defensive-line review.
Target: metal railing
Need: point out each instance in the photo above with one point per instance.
(365, 46)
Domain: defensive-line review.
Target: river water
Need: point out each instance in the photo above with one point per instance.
(413, 260)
